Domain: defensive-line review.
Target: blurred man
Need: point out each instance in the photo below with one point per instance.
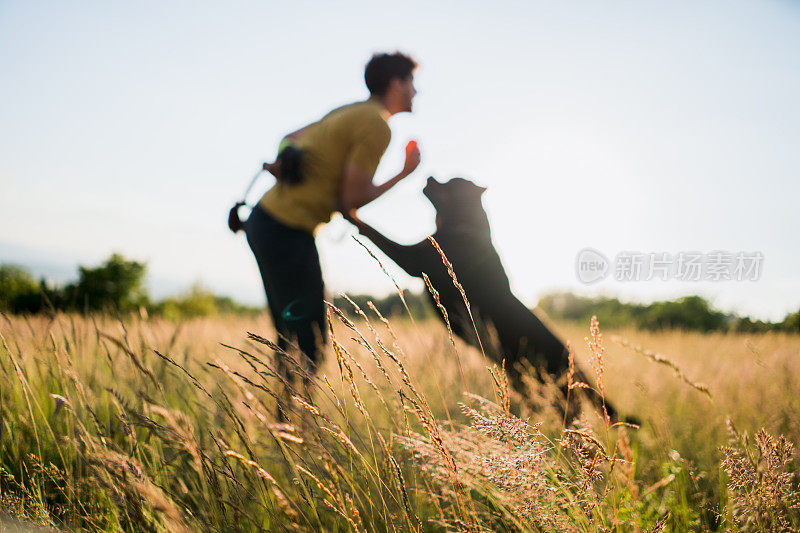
(325, 167)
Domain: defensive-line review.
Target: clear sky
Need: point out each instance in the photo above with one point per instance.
(645, 126)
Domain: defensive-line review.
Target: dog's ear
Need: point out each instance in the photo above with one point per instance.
(477, 189)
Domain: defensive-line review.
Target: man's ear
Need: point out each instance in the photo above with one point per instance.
(395, 83)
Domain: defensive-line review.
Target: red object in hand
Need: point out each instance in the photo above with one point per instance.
(412, 145)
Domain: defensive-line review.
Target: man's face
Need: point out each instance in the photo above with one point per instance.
(405, 91)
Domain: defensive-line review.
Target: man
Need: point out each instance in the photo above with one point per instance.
(333, 172)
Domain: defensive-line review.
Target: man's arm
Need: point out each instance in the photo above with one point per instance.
(273, 168)
(358, 189)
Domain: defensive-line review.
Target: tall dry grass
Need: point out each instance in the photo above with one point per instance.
(147, 425)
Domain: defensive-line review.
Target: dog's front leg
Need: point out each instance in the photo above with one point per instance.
(406, 257)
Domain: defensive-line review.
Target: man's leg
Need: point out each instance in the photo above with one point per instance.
(290, 269)
(305, 314)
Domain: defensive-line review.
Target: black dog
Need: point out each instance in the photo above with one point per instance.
(463, 233)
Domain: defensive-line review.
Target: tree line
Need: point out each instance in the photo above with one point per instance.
(118, 285)
(689, 313)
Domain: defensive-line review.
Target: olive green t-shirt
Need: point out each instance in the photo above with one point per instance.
(355, 133)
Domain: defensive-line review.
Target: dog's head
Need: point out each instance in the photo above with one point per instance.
(455, 201)
(457, 193)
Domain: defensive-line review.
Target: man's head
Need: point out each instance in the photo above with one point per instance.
(390, 78)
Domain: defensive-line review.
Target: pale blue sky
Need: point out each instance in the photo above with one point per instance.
(671, 126)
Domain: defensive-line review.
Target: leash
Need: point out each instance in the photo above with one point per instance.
(234, 222)
(249, 187)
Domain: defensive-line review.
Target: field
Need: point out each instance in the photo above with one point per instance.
(138, 424)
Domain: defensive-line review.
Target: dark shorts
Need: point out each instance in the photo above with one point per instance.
(289, 265)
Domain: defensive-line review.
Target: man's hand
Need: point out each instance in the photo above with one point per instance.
(358, 189)
(272, 168)
(412, 158)
(351, 216)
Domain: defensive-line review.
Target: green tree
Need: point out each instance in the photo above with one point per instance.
(689, 312)
(748, 325)
(792, 322)
(199, 301)
(116, 284)
(19, 291)
(609, 311)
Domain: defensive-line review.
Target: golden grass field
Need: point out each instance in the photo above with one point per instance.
(101, 433)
